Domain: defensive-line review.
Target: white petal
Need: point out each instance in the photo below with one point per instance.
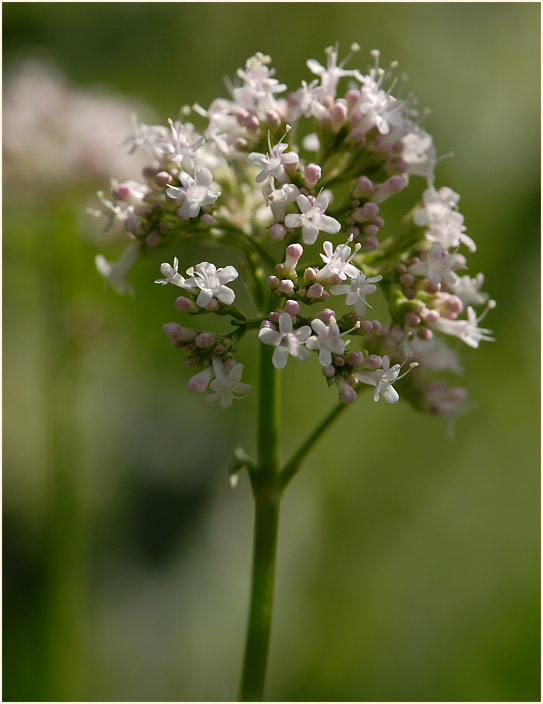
(204, 297)
(285, 323)
(225, 295)
(269, 336)
(280, 356)
(293, 220)
(390, 394)
(229, 273)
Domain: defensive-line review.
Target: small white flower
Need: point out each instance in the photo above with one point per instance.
(357, 290)
(279, 198)
(272, 164)
(172, 276)
(312, 219)
(469, 290)
(115, 272)
(182, 145)
(194, 192)
(328, 340)
(211, 282)
(337, 262)
(467, 330)
(419, 152)
(308, 99)
(438, 266)
(383, 379)
(380, 108)
(331, 75)
(440, 215)
(226, 384)
(286, 341)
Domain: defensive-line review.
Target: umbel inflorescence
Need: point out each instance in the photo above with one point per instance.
(297, 182)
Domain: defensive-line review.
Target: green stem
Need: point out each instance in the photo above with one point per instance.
(267, 493)
(295, 462)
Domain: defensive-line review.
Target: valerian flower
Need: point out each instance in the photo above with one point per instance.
(286, 341)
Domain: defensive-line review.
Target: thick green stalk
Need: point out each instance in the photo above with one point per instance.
(267, 493)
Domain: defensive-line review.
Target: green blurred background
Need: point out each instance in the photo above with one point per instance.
(408, 564)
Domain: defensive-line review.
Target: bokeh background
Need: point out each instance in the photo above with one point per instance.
(408, 564)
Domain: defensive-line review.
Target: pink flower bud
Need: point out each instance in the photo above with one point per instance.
(229, 365)
(310, 274)
(390, 187)
(273, 317)
(207, 219)
(286, 286)
(352, 97)
(185, 305)
(198, 383)
(280, 268)
(425, 333)
(430, 317)
(251, 123)
(241, 116)
(212, 305)
(152, 239)
(277, 231)
(292, 256)
(148, 172)
(240, 143)
(339, 361)
(132, 224)
(163, 178)
(312, 174)
(374, 361)
(370, 243)
(371, 231)
(355, 359)
(315, 291)
(346, 393)
(339, 112)
(366, 326)
(191, 361)
(204, 339)
(219, 349)
(329, 371)
(272, 119)
(273, 281)
(411, 319)
(171, 330)
(376, 326)
(326, 314)
(407, 279)
(352, 230)
(292, 308)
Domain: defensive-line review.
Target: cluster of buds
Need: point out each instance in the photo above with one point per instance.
(277, 175)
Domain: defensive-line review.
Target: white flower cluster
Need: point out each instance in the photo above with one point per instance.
(244, 179)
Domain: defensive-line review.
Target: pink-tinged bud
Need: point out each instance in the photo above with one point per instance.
(410, 293)
(302, 292)
(292, 100)
(212, 305)
(132, 224)
(352, 231)
(366, 326)
(199, 382)
(186, 334)
(292, 308)
(277, 231)
(352, 97)
(280, 268)
(370, 211)
(374, 361)
(425, 333)
(292, 256)
(219, 349)
(339, 361)
(181, 217)
(429, 287)
(191, 361)
(240, 143)
(346, 393)
(204, 340)
(207, 220)
(407, 279)
(272, 119)
(376, 326)
(171, 330)
(325, 296)
(401, 165)
(184, 305)
(148, 172)
(312, 174)
(229, 365)
(273, 281)
(327, 101)
(251, 123)
(339, 111)
(461, 261)
(152, 239)
(163, 178)
(329, 371)
(326, 314)
(370, 243)
(378, 222)
(371, 230)
(241, 116)
(286, 286)
(273, 317)
(355, 359)
(430, 317)
(454, 305)
(390, 187)
(401, 268)
(411, 319)
(315, 291)
(267, 324)
(310, 274)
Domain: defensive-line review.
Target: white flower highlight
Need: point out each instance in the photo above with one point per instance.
(211, 282)
(286, 341)
(226, 383)
(312, 219)
(383, 379)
